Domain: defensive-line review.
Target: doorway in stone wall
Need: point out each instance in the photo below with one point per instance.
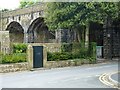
(37, 56)
(96, 35)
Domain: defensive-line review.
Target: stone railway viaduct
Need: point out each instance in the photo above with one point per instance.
(27, 25)
(22, 22)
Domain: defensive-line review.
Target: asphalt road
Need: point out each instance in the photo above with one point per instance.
(116, 77)
(85, 76)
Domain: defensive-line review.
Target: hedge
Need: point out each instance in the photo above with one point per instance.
(58, 56)
(19, 48)
(74, 51)
(13, 58)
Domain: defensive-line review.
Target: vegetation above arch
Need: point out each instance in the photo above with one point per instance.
(26, 3)
(74, 14)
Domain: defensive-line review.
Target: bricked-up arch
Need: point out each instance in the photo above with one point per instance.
(111, 38)
(115, 34)
(38, 31)
(96, 33)
(16, 32)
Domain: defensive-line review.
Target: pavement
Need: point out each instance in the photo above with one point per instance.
(85, 76)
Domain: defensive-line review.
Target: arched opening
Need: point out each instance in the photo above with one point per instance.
(96, 33)
(38, 32)
(16, 32)
(115, 38)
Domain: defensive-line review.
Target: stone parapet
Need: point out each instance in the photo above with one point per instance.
(35, 8)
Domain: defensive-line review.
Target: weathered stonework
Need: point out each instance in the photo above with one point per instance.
(111, 40)
(65, 36)
(24, 17)
(30, 20)
(4, 42)
(47, 47)
(5, 68)
(15, 67)
(65, 63)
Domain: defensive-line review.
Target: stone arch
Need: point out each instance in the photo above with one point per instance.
(96, 33)
(38, 31)
(16, 32)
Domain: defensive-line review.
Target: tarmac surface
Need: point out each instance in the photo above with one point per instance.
(116, 77)
(85, 76)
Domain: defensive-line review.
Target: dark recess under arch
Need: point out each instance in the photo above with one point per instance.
(16, 32)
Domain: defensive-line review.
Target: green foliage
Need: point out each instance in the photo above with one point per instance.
(70, 15)
(92, 49)
(69, 51)
(19, 48)
(79, 50)
(18, 54)
(66, 47)
(1, 54)
(92, 53)
(26, 3)
(56, 56)
(82, 53)
(14, 58)
(75, 51)
(92, 60)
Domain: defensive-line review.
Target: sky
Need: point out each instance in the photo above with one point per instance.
(13, 4)
(9, 4)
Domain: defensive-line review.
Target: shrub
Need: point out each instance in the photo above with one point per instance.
(66, 56)
(92, 49)
(58, 56)
(79, 50)
(66, 47)
(19, 57)
(19, 48)
(74, 51)
(1, 54)
(75, 47)
(92, 52)
(14, 58)
(52, 56)
(92, 60)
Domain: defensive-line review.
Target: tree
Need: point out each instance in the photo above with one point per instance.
(26, 3)
(75, 14)
(78, 15)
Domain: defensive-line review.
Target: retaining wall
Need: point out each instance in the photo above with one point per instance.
(66, 63)
(5, 68)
